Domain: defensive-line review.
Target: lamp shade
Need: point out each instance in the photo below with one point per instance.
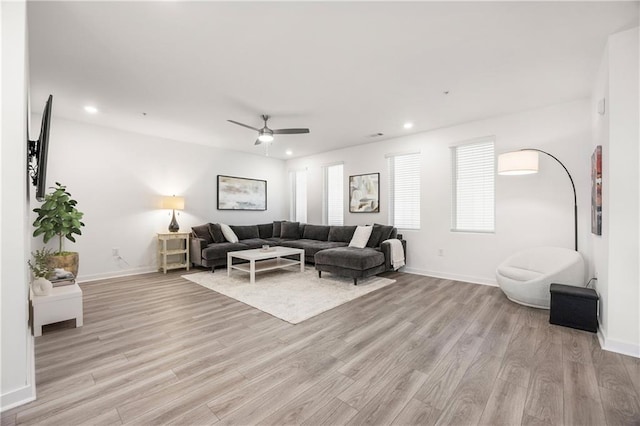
(518, 163)
(173, 203)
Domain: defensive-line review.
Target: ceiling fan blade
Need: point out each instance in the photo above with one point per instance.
(243, 125)
(289, 131)
(258, 142)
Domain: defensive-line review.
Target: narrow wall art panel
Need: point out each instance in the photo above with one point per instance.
(235, 193)
(596, 191)
(364, 193)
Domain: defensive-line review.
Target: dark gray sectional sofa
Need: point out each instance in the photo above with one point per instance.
(324, 246)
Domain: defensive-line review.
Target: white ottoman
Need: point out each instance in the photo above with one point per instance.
(64, 303)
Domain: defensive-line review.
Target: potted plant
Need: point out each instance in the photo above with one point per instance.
(41, 270)
(59, 217)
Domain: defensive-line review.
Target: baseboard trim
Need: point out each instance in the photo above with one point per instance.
(117, 274)
(447, 276)
(17, 397)
(623, 348)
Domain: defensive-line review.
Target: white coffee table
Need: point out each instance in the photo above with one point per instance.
(264, 260)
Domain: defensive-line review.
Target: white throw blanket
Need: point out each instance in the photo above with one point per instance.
(397, 253)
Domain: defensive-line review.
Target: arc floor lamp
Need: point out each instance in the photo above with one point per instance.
(524, 162)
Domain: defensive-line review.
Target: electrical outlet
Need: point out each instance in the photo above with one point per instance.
(115, 251)
(440, 252)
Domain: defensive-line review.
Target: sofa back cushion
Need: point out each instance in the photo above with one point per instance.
(290, 230)
(342, 234)
(202, 232)
(316, 232)
(245, 232)
(216, 233)
(265, 230)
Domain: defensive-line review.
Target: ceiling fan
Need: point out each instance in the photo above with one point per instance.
(266, 134)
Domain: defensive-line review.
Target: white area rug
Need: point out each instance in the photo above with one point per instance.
(287, 294)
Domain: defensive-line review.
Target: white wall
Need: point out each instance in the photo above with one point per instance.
(17, 365)
(533, 210)
(118, 178)
(617, 253)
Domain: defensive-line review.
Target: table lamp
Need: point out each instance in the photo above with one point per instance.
(173, 203)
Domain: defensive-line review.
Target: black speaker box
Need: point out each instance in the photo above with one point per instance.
(575, 307)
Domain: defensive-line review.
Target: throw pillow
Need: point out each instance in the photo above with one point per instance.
(277, 228)
(290, 230)
(202, 232)
(374, 239)
(216, 233)
(361, 236)
(386, 232)
(228, 233)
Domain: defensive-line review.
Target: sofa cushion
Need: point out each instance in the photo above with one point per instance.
(316, 232)
(216, 233)
(228, 233)
(254, 243)
(354, 258)
(277, 228)
(361, 236)
(290, 230)
(341, 234)
(311, 247)
(245, 232)
(202, 231)
(220, 250)
(265, 230)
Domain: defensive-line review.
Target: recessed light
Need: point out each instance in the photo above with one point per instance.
(408, 125)
(91, 109)
(289, 152)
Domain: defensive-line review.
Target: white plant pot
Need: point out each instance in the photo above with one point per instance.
(41, 287)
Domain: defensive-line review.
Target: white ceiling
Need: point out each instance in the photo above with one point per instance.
(345, 70)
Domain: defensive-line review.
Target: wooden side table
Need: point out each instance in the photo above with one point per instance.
(180, 249)
(64, 303)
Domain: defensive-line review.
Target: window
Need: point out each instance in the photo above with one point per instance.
(298, 195)
(333, 207)
(473, 187)
(404, 191)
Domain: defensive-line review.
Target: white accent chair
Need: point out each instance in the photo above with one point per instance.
(526, 276)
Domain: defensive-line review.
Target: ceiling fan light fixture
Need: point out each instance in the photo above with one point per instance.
(265, 137)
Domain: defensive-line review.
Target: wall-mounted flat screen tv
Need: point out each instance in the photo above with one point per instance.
(38, 151)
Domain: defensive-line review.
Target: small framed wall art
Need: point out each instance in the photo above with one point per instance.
(364, 193)
(236, 193)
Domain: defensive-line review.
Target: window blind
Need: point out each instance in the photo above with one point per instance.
(404, 191)
(473, 207)
(334, 195)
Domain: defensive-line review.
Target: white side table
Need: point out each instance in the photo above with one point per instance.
(64, 303)
(181, 252)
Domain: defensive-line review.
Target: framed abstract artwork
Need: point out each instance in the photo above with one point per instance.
(596, 191)
(364, 193)
(236, 193)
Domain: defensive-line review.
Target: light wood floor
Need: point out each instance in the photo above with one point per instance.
(158, 349)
